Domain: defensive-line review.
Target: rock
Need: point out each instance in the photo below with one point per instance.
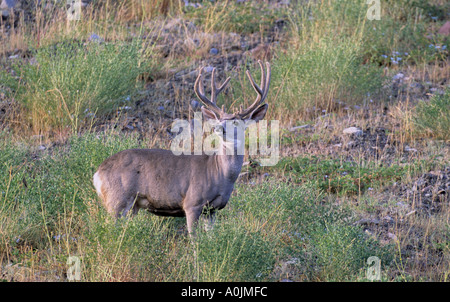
(388, 219)
(392, 236)
(195, 104)
(350, 144)
(213, 51)
(398, 76)
(95, 38)
(208, 69)
(408, 149)
(7, 5)
(195, 5)
(353, 130)
(445, 29)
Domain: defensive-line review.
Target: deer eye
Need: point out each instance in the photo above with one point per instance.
(235, 123)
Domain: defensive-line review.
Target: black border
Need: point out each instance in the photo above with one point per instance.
(308, 291)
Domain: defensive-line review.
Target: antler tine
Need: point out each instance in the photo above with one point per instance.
(256, 87)
(199, 91)
(214, 90)
(261, 90)
(267, 84)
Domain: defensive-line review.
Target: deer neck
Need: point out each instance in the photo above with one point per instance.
(229, 165)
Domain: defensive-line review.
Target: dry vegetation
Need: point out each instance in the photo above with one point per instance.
(74, 92)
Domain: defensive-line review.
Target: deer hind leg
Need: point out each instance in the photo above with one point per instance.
(120, 206)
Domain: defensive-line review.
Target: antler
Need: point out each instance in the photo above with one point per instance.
(199, 91)
(261, 90)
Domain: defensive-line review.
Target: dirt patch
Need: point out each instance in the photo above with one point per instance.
(429, 192)
(373, 143)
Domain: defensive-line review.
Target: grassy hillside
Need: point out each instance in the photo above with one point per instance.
(73, 93)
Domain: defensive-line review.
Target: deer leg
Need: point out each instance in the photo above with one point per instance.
(119, 206)
(192, 215)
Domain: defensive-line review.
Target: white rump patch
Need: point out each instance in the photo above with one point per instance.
(98, 184)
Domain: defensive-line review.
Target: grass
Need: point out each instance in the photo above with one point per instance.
(323, 62)
(432, 117)
(341, 177)
(312, 217)
(70, 82)
(56, 215)
(244, 18)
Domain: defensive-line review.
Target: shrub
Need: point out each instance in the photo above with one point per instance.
(70, 82)
(321, 73)
(324, 62)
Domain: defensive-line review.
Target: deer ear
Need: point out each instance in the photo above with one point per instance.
(259, 113)
(208, 114)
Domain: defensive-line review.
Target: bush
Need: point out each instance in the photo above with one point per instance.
(318, 75)
(433, 118)
(324, 62)
(339, 251)
(71, 82)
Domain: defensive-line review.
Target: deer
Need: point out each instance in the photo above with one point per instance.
(184, 185)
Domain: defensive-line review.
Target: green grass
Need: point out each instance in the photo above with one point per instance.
(317, 75)
(49, 206)
(432, 118)
(70, 82)
(298, 224)
(343, 177)
(324, 60)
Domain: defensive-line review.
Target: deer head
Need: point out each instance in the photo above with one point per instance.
(239, 119)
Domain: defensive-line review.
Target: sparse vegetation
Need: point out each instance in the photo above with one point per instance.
(341, 177)
(74, 93)
(433, 117)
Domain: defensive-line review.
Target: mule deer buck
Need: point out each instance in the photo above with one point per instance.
(185, 185)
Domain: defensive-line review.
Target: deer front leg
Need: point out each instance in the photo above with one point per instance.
(192, 216)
